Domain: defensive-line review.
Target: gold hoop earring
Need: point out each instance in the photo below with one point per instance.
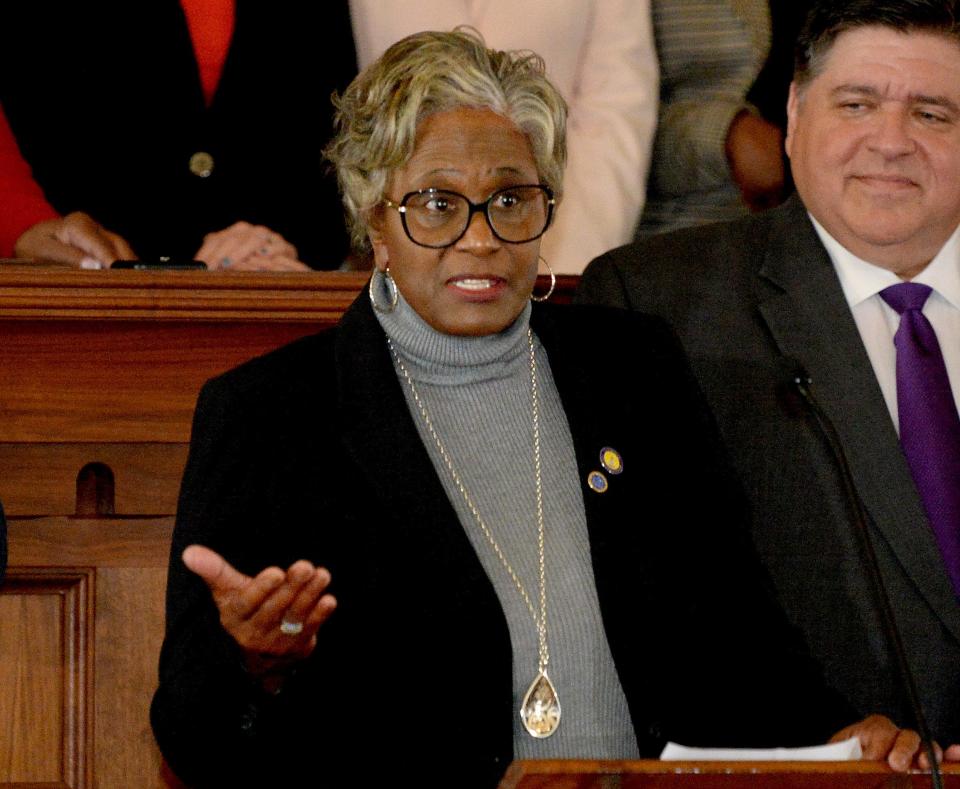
(553, 283)
(391, 287)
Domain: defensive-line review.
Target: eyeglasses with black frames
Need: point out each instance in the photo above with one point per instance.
(439, 218)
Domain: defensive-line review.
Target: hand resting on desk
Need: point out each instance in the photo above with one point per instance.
(901, 748)
(246, 247)
(77, 239)
(70, 239)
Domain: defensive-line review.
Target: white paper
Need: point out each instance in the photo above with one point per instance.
(845, 751)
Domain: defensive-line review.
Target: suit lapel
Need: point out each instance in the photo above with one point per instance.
(382, 441)
(584, 414)
(596, 421)
(809, 320)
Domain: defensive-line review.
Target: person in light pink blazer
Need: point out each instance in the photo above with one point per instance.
(601, 55)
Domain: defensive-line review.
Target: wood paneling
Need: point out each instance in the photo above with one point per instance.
(126, 627)
(104, 368)
(98, 542)
(129, 632)
(46, 677)
(41, 479)
(118, 380)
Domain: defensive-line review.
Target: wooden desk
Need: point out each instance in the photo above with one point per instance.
(100, 373)
(716, 775)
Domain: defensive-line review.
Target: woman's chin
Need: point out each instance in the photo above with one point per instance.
(475, 317)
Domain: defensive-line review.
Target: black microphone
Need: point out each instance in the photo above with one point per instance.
(801, 383)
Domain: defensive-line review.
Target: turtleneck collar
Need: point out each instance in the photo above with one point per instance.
(447, 359)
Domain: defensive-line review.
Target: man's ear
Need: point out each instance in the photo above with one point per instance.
(793, 106)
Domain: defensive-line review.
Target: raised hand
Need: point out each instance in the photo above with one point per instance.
(273, 616)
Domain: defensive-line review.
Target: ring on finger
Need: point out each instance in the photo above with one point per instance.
(291, 628)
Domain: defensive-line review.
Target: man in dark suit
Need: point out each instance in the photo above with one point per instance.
(874, 143)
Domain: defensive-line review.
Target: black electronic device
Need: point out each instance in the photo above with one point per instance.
(161, 263)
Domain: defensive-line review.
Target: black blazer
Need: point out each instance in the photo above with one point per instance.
(110, 113)
(742, 296)
(311, 452)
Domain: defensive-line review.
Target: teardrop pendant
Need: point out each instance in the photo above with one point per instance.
(540, 711)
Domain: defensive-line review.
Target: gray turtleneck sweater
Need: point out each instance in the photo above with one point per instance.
(477, 392)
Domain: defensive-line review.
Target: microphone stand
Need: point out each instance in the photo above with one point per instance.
(801, 382)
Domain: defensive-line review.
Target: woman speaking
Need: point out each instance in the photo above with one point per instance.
(535, 543)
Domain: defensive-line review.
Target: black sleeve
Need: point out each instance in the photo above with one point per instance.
(204, 696)
(214, 724)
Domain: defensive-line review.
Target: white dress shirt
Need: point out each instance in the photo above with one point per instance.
(878, 322)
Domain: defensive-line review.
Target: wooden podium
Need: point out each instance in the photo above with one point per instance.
(716, 775)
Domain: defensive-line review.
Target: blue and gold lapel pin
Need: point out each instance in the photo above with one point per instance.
(612, 463)
(597, 482)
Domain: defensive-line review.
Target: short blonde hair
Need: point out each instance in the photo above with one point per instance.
(378, 114)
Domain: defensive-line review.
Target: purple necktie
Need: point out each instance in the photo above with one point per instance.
(929, 425)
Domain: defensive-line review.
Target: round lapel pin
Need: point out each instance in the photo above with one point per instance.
(597, 482)
(611, 461)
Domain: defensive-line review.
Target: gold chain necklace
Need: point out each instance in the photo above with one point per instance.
(540, 708)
